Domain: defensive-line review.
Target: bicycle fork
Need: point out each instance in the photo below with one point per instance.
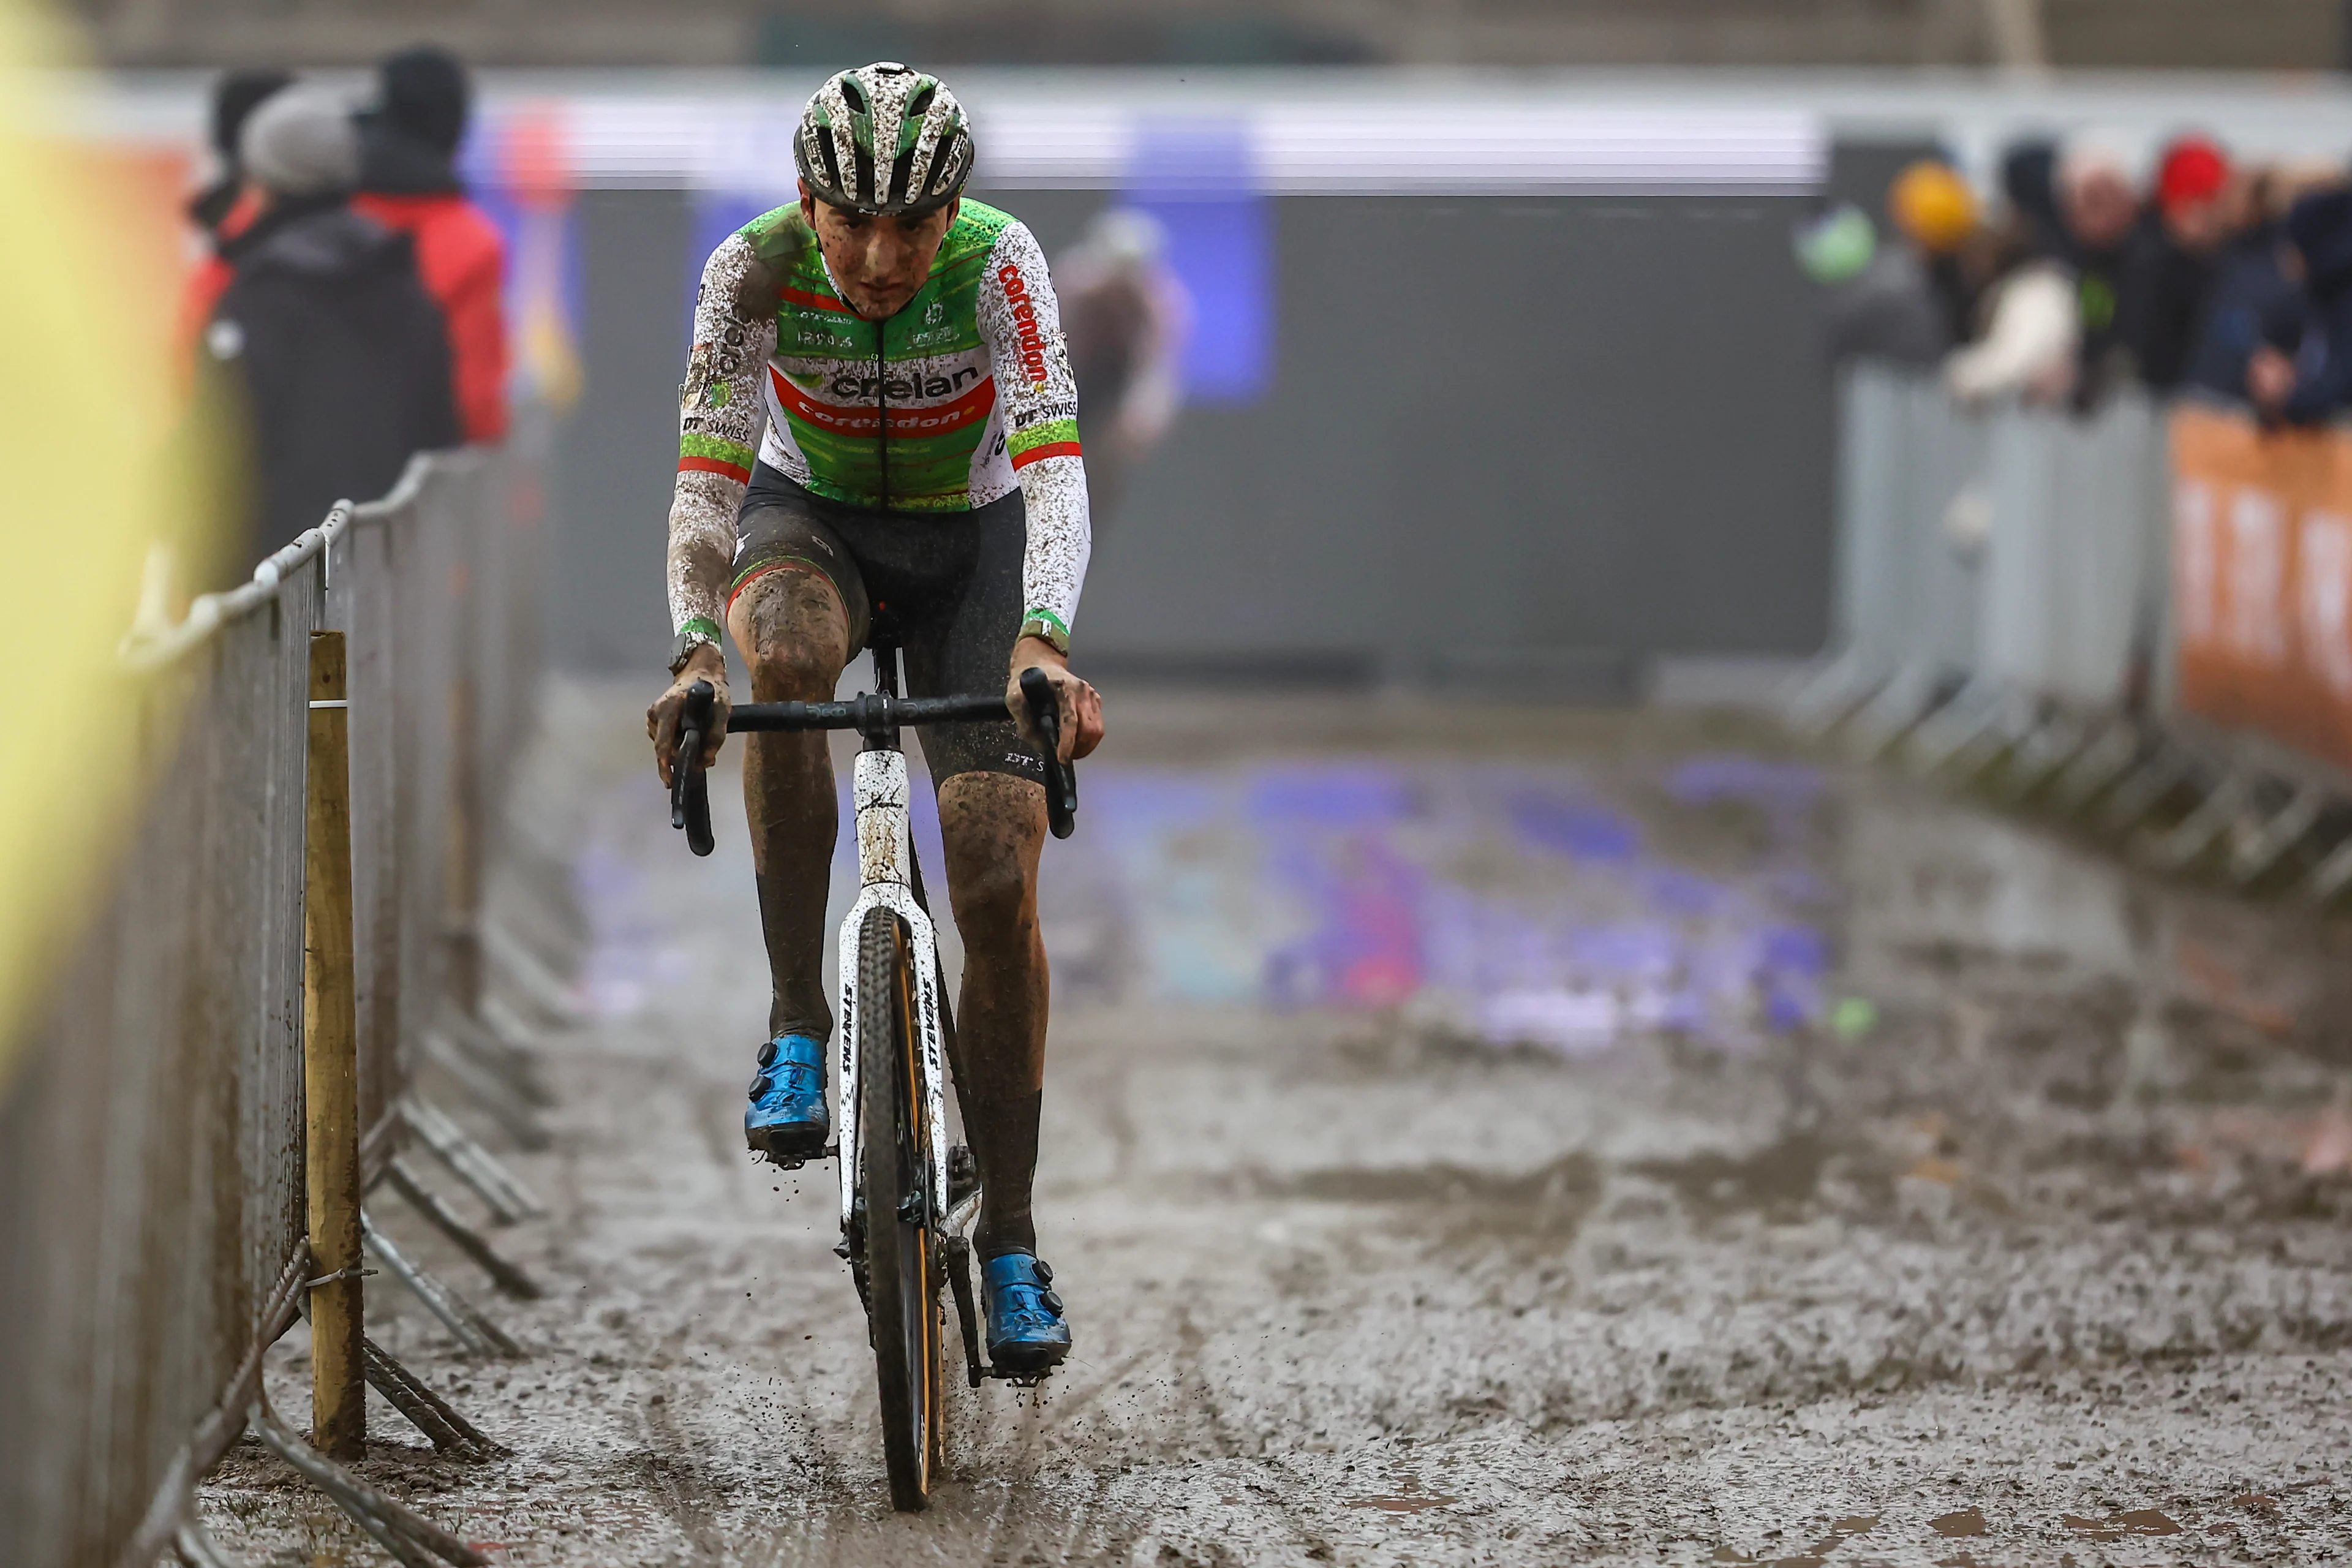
(885, 866)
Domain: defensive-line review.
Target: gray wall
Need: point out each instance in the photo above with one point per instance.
(1533, 441)
(616, 454)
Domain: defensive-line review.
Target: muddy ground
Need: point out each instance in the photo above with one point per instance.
(1836, 1174)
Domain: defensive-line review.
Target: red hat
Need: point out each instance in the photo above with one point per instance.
(2194, 169)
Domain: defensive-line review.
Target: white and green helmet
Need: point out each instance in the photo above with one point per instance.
(884, 138)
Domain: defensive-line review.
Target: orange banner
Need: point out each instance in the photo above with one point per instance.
(2261, 579)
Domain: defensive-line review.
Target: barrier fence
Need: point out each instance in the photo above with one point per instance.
(2263, 580)
(2141, 617)
(152, 1198)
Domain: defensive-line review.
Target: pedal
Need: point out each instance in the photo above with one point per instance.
(830, 1151)
(1017, 1378)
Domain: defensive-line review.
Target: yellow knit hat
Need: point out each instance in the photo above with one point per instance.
(1932, 204)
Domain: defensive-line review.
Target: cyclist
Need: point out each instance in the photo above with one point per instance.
(878, 416)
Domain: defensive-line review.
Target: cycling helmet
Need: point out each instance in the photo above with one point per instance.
(884, 138)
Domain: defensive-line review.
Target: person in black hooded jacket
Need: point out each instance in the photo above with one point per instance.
(2313, 384)
(325, 336)
(234, 98)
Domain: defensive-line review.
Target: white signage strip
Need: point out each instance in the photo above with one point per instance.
(1347, 147)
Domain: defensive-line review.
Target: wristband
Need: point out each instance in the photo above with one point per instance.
(1047, 627)
(699, 631)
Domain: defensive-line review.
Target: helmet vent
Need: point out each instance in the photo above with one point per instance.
(832, 161)
(852, 94)
(861, 182)
(920, 105)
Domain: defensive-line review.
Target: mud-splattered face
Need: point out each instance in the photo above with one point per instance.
(877, 262)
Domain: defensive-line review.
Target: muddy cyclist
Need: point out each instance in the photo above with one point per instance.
(878, 420)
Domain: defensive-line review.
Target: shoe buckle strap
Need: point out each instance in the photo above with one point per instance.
(794, 1050)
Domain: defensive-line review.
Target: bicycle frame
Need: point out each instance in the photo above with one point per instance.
(889, 877)
(886, 874)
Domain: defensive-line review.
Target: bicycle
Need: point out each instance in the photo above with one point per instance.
(907, 1199)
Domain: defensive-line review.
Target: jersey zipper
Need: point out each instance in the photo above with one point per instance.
(882, 409)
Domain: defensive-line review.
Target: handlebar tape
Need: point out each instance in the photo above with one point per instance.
(1061, 778)
(690, 789)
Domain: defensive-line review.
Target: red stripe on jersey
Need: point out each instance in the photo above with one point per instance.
(864, 419)
(714, 466)
(1039, 454)
(814, 302)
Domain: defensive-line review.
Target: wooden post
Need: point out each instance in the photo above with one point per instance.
(330, 1087)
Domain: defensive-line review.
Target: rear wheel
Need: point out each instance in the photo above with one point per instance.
(902, 1268)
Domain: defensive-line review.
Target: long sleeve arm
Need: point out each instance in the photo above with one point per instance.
(721, 415)
(1023, 324)
(2030, 341)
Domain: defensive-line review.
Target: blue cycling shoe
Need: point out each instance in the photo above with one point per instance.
(788, 1122)
(1026, 1331)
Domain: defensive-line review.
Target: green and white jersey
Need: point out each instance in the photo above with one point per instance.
(953, 403)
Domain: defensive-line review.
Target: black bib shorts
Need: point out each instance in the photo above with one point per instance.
(949, 583)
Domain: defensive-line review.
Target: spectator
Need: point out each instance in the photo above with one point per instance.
(1876, 301)
(408, 181)
(234, 98)
(2255, 300)
(2026, 346)
(2098, 209)
(222, 207)
(2173, 260)
(2313, 383)
(1935, 210)
(2029, 179)
(1124, 314)
(324, 338)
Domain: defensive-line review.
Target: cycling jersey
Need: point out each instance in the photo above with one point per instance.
(959, 399)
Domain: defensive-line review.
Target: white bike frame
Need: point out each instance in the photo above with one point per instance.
(885, 878)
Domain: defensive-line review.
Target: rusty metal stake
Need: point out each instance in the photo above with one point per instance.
(331, 1094)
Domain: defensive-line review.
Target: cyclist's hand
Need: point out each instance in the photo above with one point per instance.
(662, 719)
(1082, 715)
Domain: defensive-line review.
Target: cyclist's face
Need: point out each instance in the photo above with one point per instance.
(879, 262)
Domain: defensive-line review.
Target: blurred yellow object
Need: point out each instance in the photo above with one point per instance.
(87, 281)
(1933, 206)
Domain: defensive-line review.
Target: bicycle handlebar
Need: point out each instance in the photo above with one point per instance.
(865, 713)
(870, 714)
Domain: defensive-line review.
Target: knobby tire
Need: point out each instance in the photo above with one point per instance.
(903, 1272)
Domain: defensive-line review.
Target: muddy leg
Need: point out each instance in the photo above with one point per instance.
(994, 826)
(794, 633)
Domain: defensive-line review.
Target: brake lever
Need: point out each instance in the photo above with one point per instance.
(689, 790)
(1061, 778)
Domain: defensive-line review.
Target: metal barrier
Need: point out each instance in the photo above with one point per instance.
(151, 1169)
(2005, 614)
(1988, 557)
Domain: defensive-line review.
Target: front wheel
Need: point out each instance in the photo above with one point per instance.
(902, 1270)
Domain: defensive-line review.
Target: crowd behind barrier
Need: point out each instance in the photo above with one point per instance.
(2140, 616)
(152, 1165)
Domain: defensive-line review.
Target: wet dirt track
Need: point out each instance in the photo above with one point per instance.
(1520, 1138)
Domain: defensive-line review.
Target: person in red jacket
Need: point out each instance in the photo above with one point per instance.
(408, 182)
